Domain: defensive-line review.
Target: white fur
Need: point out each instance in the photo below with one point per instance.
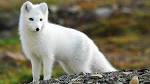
(72, 49)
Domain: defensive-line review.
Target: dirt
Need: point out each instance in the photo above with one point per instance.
(118, 77)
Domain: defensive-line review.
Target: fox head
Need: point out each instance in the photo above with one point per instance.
(33, 16)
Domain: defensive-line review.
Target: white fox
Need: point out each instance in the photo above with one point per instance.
(44, 42)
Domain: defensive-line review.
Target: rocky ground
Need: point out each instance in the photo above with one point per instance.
(120, 77)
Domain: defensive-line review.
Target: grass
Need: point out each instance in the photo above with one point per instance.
(9, 41)
(14, 73)
(10, 44)
(11, 72)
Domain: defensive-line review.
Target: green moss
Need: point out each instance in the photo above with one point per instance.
(9, 41)
(57, 71)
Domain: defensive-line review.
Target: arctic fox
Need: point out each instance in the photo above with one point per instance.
(44, 42)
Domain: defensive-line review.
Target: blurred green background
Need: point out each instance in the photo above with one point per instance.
(120, 28)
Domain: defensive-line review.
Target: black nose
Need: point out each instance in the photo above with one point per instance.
(37, 29)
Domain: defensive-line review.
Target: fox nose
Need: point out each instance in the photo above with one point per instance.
(37, 29)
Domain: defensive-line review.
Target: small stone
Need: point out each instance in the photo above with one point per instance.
(127, 73)
(82, 73)
(134, 80)
(96, 76)
(147, 82)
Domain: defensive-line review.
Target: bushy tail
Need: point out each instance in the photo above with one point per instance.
(101, 64)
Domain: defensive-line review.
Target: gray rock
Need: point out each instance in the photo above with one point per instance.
(8, 20)
(118, 77)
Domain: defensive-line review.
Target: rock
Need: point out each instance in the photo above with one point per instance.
(96, 76)
(8, 20)
(119, 77)
(134, 80)
(104, 12)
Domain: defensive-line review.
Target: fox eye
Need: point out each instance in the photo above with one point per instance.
(41, 19)
(31, 19)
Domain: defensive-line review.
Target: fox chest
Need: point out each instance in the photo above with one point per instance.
(38, 48)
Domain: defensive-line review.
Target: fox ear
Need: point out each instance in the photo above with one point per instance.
(43, 7)
(27, 6)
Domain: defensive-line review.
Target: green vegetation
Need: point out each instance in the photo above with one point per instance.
(13, 72)
(9, 41)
